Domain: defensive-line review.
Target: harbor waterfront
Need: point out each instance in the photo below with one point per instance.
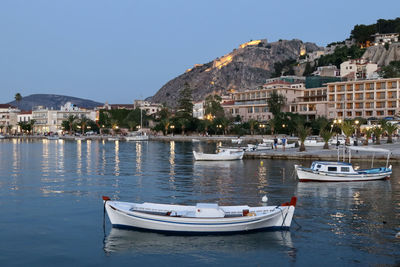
(50, 192)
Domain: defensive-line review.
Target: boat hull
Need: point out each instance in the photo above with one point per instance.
(279, 218)
(221, 156)
(306, 175)
(137, 138)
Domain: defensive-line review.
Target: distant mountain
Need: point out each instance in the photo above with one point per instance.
(244, 68)
(52, 101)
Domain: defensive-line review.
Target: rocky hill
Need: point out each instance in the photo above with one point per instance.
(52, 101)
(382, 56)
(244, 68)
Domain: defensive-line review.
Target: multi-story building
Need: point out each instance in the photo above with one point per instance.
(8, 118)
(253, 104)
(327, 71)
(148, 107)
(49, 120)
(357, 69)
(367, 98)
(312, 103)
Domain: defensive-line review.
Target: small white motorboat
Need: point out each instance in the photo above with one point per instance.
(2, 136)
(80, 138)
(201, 218)
(138, 136)
(222, 154)
(237, 140)
(113, 138)
(53, 137)
(194, 140)
(313, 141)
(330, 171)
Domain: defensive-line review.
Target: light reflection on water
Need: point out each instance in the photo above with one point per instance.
(60, 184)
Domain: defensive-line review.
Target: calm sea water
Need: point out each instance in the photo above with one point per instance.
(52, 213)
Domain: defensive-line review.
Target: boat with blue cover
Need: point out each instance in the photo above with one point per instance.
(341, 171)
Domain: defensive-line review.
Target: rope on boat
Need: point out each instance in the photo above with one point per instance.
(294, 220)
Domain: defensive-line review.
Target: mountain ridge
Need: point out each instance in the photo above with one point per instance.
(52, 101)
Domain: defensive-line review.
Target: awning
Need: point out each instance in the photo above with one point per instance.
(369, 149)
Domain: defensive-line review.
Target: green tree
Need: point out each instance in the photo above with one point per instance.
(185, 102)
(302, 133)
(378, 131)
(83, 122)
(308, 69)
(69, 123)
(18, 97)
(391, 71)
(390, 128)
(253, 124)
(347, 128)
(1, 128)
(275, 102)
(368, 134)
(326, 135)
(213, 106)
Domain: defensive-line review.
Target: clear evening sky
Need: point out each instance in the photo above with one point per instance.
(121, 50)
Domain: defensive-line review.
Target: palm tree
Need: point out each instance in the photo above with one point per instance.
(326, 135)
(348, 129)
(253, 124)
(114, 126)
(18, 97)
(83, 122)
(378, 131)
(272, 125)
(390, 129)
(71, 121)
(1, 128)
(303, 132)
(9, 127)
(368, 134)
(132, 125)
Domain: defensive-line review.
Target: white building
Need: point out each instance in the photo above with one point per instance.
(385, 38)
(199, 110)
(327, 71)
(149, 107)
(8, 118)
(49, 120)
(358, 69)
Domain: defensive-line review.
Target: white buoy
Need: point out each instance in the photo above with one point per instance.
(264, 199)
(398, 235)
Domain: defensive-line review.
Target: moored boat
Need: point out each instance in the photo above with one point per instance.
(313, 141)
(222, 154)
(330, 171)
(201, 218)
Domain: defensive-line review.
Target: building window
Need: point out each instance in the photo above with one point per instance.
(256, 110)
(250, 110)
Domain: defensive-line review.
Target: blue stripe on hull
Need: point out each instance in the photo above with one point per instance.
(166, 232)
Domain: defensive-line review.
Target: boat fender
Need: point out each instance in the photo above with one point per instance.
(292, 202)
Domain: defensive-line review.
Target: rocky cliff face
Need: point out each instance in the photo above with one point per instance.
(244, 68)
(382, 56)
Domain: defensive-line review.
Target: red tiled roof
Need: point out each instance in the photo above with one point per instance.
(25, 112)
(231, 102)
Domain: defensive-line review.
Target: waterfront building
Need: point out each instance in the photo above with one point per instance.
(8, 118)
(50, 120)
(253, 104)
(367, 98)
(148, 107)
(312, 103)
(358, 69)
(23, 116)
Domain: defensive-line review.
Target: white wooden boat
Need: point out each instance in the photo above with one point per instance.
(53, 137)
(80, 138)
(264, 146)
(113, 138)
(201, 218)
(222, 154)
(194, 140)
(237, 140)
(143, 137)
(330, 171)
(2, 136)
(313, 141)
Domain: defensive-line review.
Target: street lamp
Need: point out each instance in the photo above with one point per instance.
(262, 126)
(356, 123)
(172, 129)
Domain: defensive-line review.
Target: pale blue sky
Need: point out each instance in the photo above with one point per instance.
(121, 50)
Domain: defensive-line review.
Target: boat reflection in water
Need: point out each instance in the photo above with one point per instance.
(120, 240)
